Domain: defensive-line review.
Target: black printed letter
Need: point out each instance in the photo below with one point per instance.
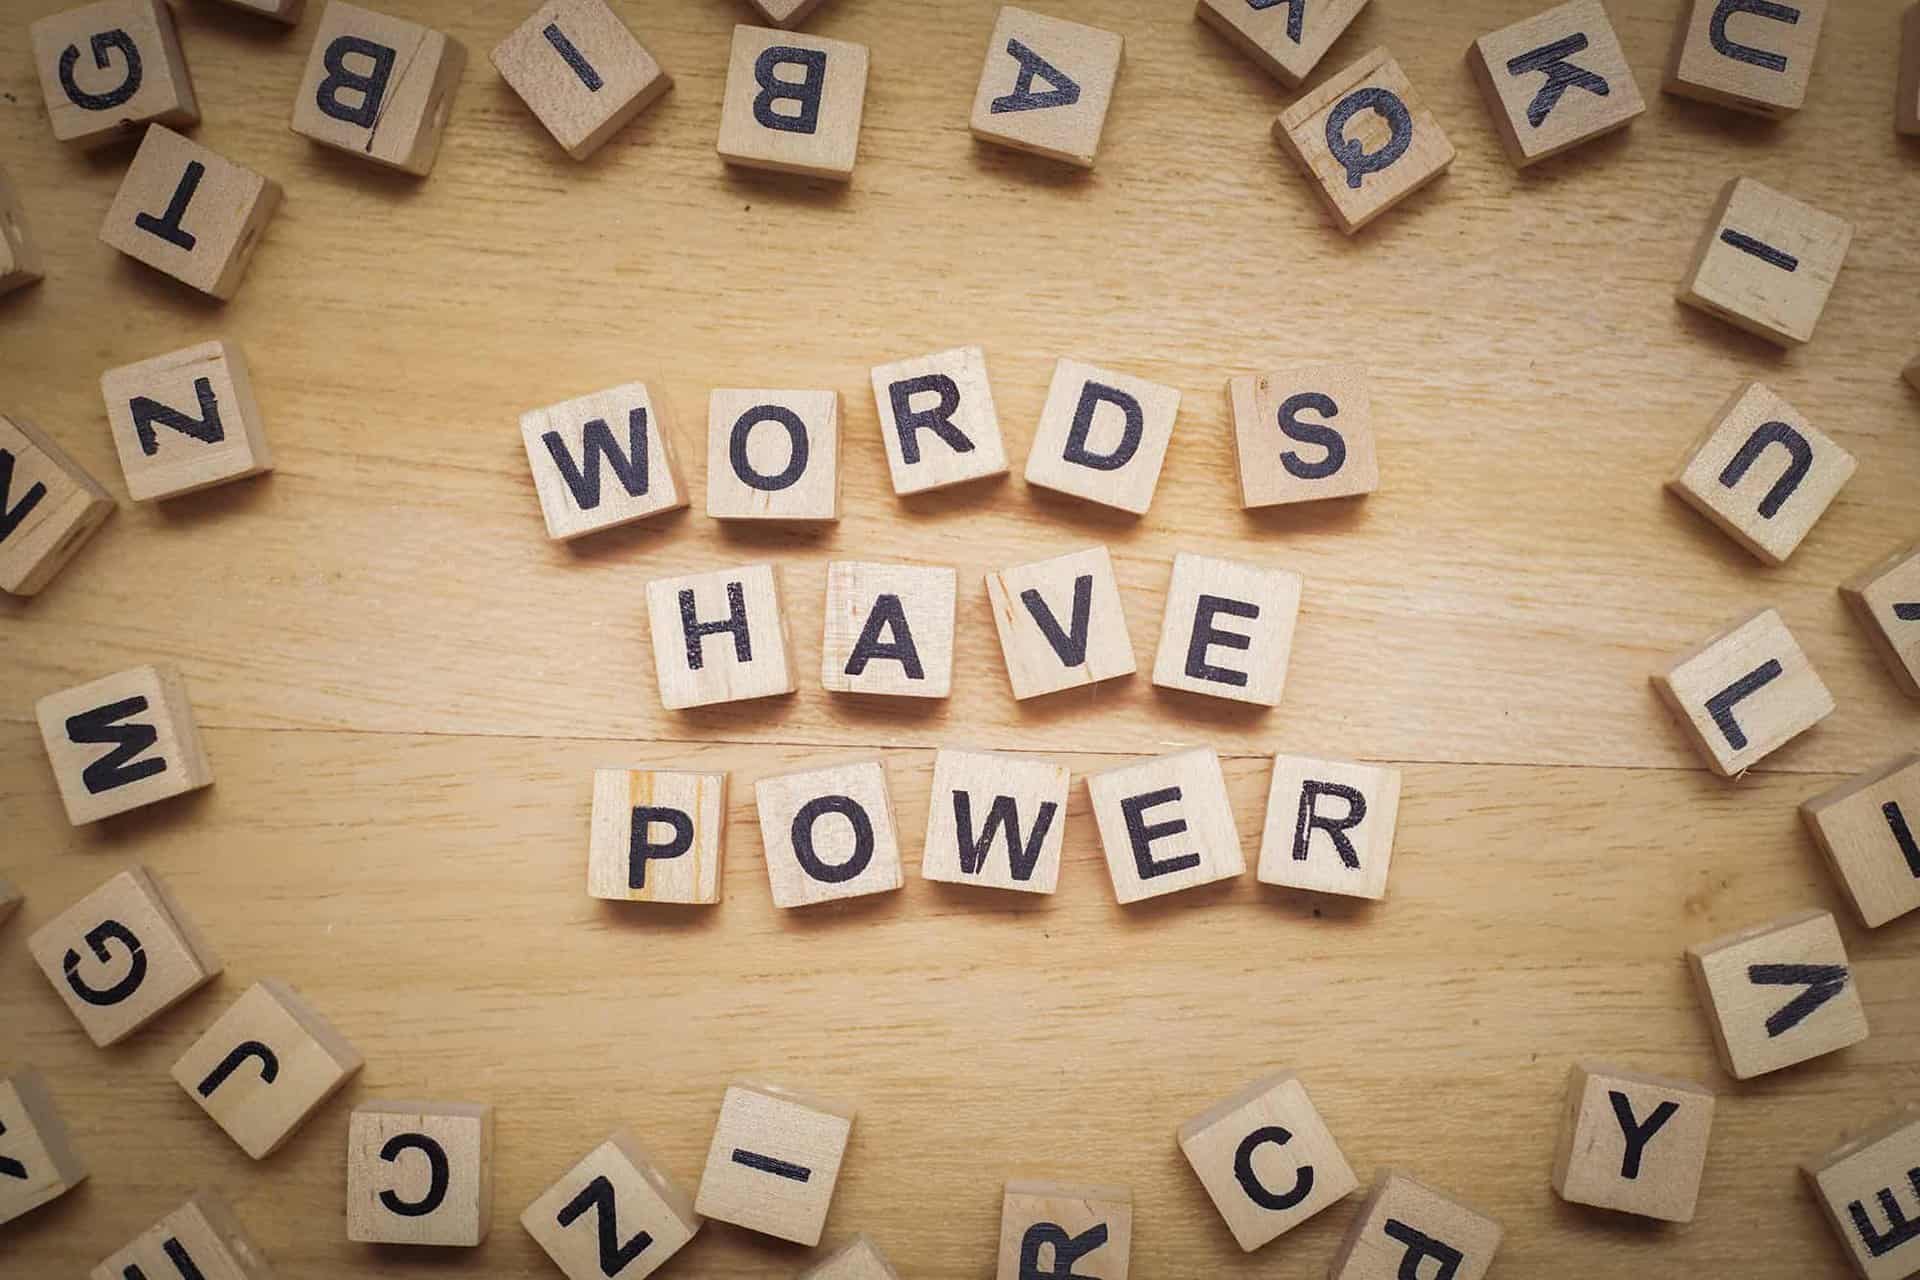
(598, 1196)
(810, 813)
(121, 766)
(206, 428)
(167, 225)
(1002, 815)
(96, 939)
(1206, 635)
(1723, 43)
(889, 617)
(1312, 433)
(1069, 646)
(102, 44)
(1637, 1133)
(805, 91)
(269, 1066)
(697, 631)
(1133, 425)
(1063, 93)
(371, 86)
(1764, 436)
(797, 448)
(1141, 835)
(1354, 156)
(1310, 820)
(1257, 1191)
(642, 848)
(1561, 75)
(1720, 706)
(909, 422)
(437, 1174)
(596, 442)
(1420, 1247)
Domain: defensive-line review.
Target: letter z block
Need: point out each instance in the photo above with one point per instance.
(581, 72)
(122, 742)
(1632, 1143)
(1766, 262)
(829, 834)
(1869, 828)
(1228, 629)
(1266, 1159)
(107, 69)
(793, 103)
(1083, 1231)
(1404, 1225)
(1555, 80)
(889, 630)
(1060, 623)
(49, 507)
(202, 1238)
(1870, 1191)
(185, 421)
(861, 1259)
(1745, 693)
(1166, 824)
(189, 213)
(379, 88)
(658, 836)
(1302, 434)
(1778, 994)
(420, 1173)
(1046, 86)
(773, 455)
(937, 421)
(616, 1193)
(20, 263)
(1763, 473)
(37, 1160)
(1886, 599)
(602, 460)
(1751, 55)
(1330, 826)
(1287, 39)
(774, 1162)
(718, 637)
(995, 820)
(1103, 436)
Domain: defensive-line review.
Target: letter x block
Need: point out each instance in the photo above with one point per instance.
(1228, 629)
(1745, 693)
(1302, 434)
(1886, 599)
(37, 1160)
(1405, 1225)
(185, 421)
(1079, 1231)
(718, 637)
(420, 1173)
(187, 212)
(1288, 37)
(937, 421)
(1763, 473)
(1266, 1159)
(1869, 828)
(107, 69)
(1046, 86)
(829, 833)
(1103, 436)
(773, 455)
(1166, 824)
(602, 460)
(861, 1259)
(1870, 1191)
(889, 629)
(1632, 1143)
(793, 103)
(201, 1238)
(616, 1195)
(19, 254)
(378, 87)
(49, 507)
(995, 820)
(658, 836)
(1750, 56)
(1330, 826)
(774, 1162)
(1766, 262)
(122, 742)
(581, 72)
(1779, 993)
(1060, 623)
(1555, 80)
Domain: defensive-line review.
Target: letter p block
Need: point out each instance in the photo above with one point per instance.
(657, 836)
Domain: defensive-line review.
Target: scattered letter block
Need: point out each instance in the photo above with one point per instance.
(48, 507)
(287, 11)
(1103, 436)
(1869, 828)
(37, 1162)
(773, 455)
(784, 13)
(774, 1162)
(1084, 1232)
(123, 955)
(1404, 1225)
(122, 742)
(1763, 473)
(889, 630)
(1632, 1143)
(1330, 826)
(937, 420)
(185, 421)
(1865, 1188)
(1886, 599)
(995, 820)
(1752, 57)
(420, 1173)
(793, 103)
(378, 87)
(1303, 434)
(10, 899)
(1766, 262)
(189, 213)
(19, 255)
(201, 1238)
(1266, 1159)
(615, 1213)
(1366, 139)
(1166, 824)
(718, 637)
(1779, 993)
(1228, 629)
(1060, 623)
(1906, 114)
(265, 1065)
(1285, 37)
(1555, 80)
(657, 836)
(571, 445)
(860, 1260)
(581, 72)
(1046, 86)
(1745, 693)
(828, 833)
(108, 68)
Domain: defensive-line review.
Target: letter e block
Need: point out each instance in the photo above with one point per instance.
(1404, 1225)
(1286, 38)
(420, 1173)
(774, 1162)
(1765, 262)
(773, 455)
(718, 637)
(1869, 828)
(189, 213)
(828, 834)
(1046, 86)
(1228, 629)
(1778, 994)
(202, 1238)
(616, 1212)
(1632, 1143)
(1763, 473)
(995, 820)
(1330, 826)
(937, 420)
(1870, 1191)
(49, 507)
(107, 69)
(1302, 434)
(1555, 80)
(1166, 824)
(1084, 1231)
(19, 254)
(1103, 436)
(122, 742)
(1060, 623)
(1266, 1159)
(1886, 599)
(581, 72)
(602, 460)
(185, 421)
(37, 1160)
(793, 103)
(889, 630)
(1745, 693)
(658, 836)
(861, 1259)
(1750, 56)
(378, 87)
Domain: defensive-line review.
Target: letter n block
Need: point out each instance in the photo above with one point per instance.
(107, 69)
(1869, 828)
(1632, 1143)
(793, 103)
(185, 421)
(1330, 826)
(1046, 86)
(1081, 1231)
(1763, 473)
(995, 820)
(718, 637)
(189, 213)
(1302, 434)
(1060, 623)
(1555, 80)
(1745, 54)
(1166, 824)
(861, 1259)
(615, 1213)
(602, 460)
(1103, 436)
(49, 507)
(1766, 262)
(19, 254)
(581, 72)
(202, 1238)
(829, 833)
(122, 742)
(1228, 629)
(1886, 599)
(774, 1162)
(420, 1173)
(773, 455)
(889, 630)
(658, 836)
(378, 87)
(1406, 1228)
(37, 1160)
(1267, 1159)
(1869, 1190)
(1745, 693)
(937, 422)
(1778, 994)
(1286, 38)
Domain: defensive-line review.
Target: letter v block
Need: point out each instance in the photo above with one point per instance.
(774, 1162)
(1060, 623)
(109, 69)
(1166, 824)
(937, 421)
(658, 836)
(185, 421)
(602, 460)
(420, 1173)
(1330, 826)
(1869, 1190)
(1745, 693)
(122, 742)
(1103, 436)
(1046, 86)
(49, 507)
(1555, 80)
(581, 72)
(1632, 1143)
(379, 88)
(718, 637)
(793, 103)
(829, 833)
(1285, 37)
(1266, 1159)
(201, 1240)
(889, 630)
(1077, 1230)
(1754, 56)
(1405, 1225)
(192, 214)
(1778, 994)
(1766, 262)
(1763, 473)
(37, 1160)
(616, 1213)
(995, 820)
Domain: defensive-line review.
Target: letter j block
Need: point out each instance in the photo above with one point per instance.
(1763, 473)
(1745, 693)
(379, 88)
(121, 742)
(774, 1162)
(1766, 262)
(1632, 1143)
(192, 214)
(1750, 55)
(657, 836)
(793, 103)
(602, 460)
(108, 69)
(1266, 1159)
(1869, 1190)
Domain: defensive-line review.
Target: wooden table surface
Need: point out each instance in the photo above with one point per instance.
(405, 685)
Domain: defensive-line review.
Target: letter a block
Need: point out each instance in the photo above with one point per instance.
(657, 836)
(1751, 55)
(189, 213)
(1632, 1143)
(995, 820)
(420, 1173)
(1103, 436)
(1778, 994)
(1405, 1225)
(107, 69)
(1228, 629)
(581, 72)
(1330, 827)
(1266, 1159)
(37, 1161)
(1763, 473)
(378, 87)
(793, 103)
(860, 1260)
(602, 460)
(202, 1238)
(1302, 434)
(774, 1162)
(186, 421)
(49, 507)
(615, 1213)
(1079, 1231)
(1166, 824)
(1766, 262)
(1366, 139)
(1046, 86)
(19, 254)
(829, 834)
(1060, 623)
(265, 1065)
(1886, 599)
(1555, 80)
(1285, 37)
(889, 630)
(1745, 693)
(122, 742)
(773, 455)
(1870, 1191)
(718, 637)
(937, 420)
(1869, 828)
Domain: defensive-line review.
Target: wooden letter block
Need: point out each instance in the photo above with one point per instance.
(995, 820)
(1266, 1159)
(784, 13)
(616, 1213)
(774, 1162)
(1749, 56)
(889, 629)
(860, 1260)
(10, 899)
(1084, 1231)
(37, 1161)
(1869, 828)
(287, 11)
(52, 507)
(1303, 434)
(1286, 39)
(1632, 1143)
(1404, 1225)
(581, 72)
(1866, 1187)
(1228, 629)
(265, 1065)
(1366, 139)
(828, 833)
(1103, 436)
(203, 398)
(107, 69)
(1060, 623)
(1763, 473)
(19, 255)
(1330, 826)
(937, 420)
(202, 1238)
(1779, 993)
(189, 213)
(378, 87)
(1745, 693)
(1906, 113)
(1555, 80)
(657, 836)
(1766, 262)
(773, 455)
(420, 1173)
(122, 742)
(571, 445)
(793, 103)
(1046, 86)
(1886, 599)
(718, 637)
(123, 955)
(1166, 824)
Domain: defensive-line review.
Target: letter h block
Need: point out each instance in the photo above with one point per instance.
(1778, 994)
(420, 1173)
(1766, 262)
(718, 637)
(615, 1213)
(602, 460)
(581, 72)
(937, 421)
(657, 836)
(1302, 434)
(1046, 85)
(829, 834)
(1763, 473)
(378, 87)
(1266, 1159)
(122, 742)
(37, 1161)
(1745, 693)
(1632, 1143)
(1166, 824)
(1754, 56)
(190, 213)
(1330, 826)
(108, 69)
(49, 507)
(1103, 436)
(1555, 80)
(793, 103)
(1869, 1190)
(1405, 1225)
(186, 421)
(1079, 1231)
(774, 1162)
(202, 1238)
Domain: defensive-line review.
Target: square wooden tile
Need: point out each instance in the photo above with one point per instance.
(1228, 629)
(123, 741)
(1555, 80)
(1407, 1228)
(33, 1139)
(202, 1238)
(829, 833)
(1166, 824)
(185, 421)
(1302, 434)
(784, 13)
(1084, 1231)
(20, 263)
(1779, 993)
(1060, 623)
(937, 422)
(581, 72)
(861, 1259)
(1864, 1187)
(889, 629)
(1103, 436)
(1632, 1143)
(192, 214)
(793, 103)
(996, 820)
(658, 836)
(1886, 599)
(1869, 829)
(51, 507)
(719, 636)
(615, 1213)
(1766, 262)
(1330, 826)
(1286, 38)
(773, 455)
(1046, 86)
(420, 1173)
(1266, 1159)
(1755, 58)
(774, 1162)
(1745, 693)
(378, 87)
(603, 460)
(1763, 473)
(109, 69)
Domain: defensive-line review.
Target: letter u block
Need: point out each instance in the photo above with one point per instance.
(49, 507)
(185, 421)
(1754, 56)
(1745, 693)
(122, 742)
(34, 1147)
(1632, 1143)
(202, 1238)
(793, 103)
(1266, 1159)
(1763, 473)
(1103, 436)
(192, 214)
(107, 69)
(420, 1173)
(379, 88)
(829, 833)
(1869, 1190)
(602, 460)
(1071, 1230)
(658, 836)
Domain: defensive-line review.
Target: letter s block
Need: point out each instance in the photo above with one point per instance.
(1302, 434)
(1046, 85)
(1405, 1225)
(201, 1238)
(122, 742)
(1778, 994)
(657, 836)
(37, 1160)
(1766, 262)
(1754, 56)
(1632, 1143)
(615, 1213)
(793, 103)
(1745, 693)
(420, 1173)
(1869, 1190)
(49, 507)
(774, 1162)
(1266, 1159)
(379, 88)
(19, 254)
(109, 68)
(1070, 1230)
(190, 213)
(185, 421)
(1763, 473)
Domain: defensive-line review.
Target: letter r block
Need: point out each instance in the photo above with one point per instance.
(1555, 80)
(108, 69)
(1632, 1143)
(34, 1148)
(1166, 824)
(379, 88)
(1745, 693)
(1778, 994)
(1302, 434)
(615, 1193)
(937, 421)
(1228, 629)
(829, 833)
(1869, 1190)
(1071, 1230)
(420, 1173)
(1763, 473)
(774, 1162)
(1766, 262)
(1287, 38)
(49, 507)
(1408, 1228)
(201, 1238)
(192, 214)
(603, 460)
(185, 421)
(793, 103)
(658, 836)
(1103, 436)
(1266, 1159)
(122, 742)
(1060, 623)
(719, 637)
(581, 72)
(1751, 55)
(1046, 85)
(1330, 826)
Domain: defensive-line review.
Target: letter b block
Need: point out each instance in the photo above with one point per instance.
(1330, 826)
(49, 507)
(1228, 629)
(122, 742)
(185, 421)
(1166, 824)
(1766, 262)
(1406, 1228)
(793, 103)
(420, 1173)
(657, 836)
(192, 214)
(202, 1238)
(1069, 1230)
(1302, 434)
(1266, 1159)
(1632, 1143)
(1778, 994)
(615, 1213)
(1103, 436)
(602, 460)
(1870, 1191)
(37, 1161)
(718, 637)
(1751, 55)
(1555, 80)
(1046, 86)
(774, 1162)
(1745, 693)
(107, 69)
(829, 834)
(1763, 473)
(378, 87)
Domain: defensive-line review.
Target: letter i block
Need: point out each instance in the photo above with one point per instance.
(185, 421)
(602, 460)
(1404, 1225)
(1302, 434)
(1555, 80)
(774, 1162)
(1866, 1187)
(1886, 599)
(1330, 827)
(265, 1066)
(1869, 828)
(1778, 994)
(615, 1213)
(793, 103)
(189, 213)
(1083, 1231)
(986, 806)
(49, 507)
(19, 255)
(202, 1238)
(1751, 55)
(1285, 37)
(1228, 629)
(719, 637)
(37, 1161)
(1766, 262)
(420, 1173)
(122, 742)
(829, 834)
(1632, 1143)
(1745, 693)
(107, 69)
(937, 421)
(1103, 436)
(773, 455)
(1166, 824)
(861, 1259)
(1046, 86)
(378, 87)
(657, 836)
(123, 955)
(1366, 139)
(1763, 473)
(889, 630)
(1267, 1159)
(581, 72)
(1060, 623)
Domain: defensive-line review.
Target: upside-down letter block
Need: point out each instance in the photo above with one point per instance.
(581, 72)
(1302, 434)
(615, 1213)
(658, 836)
(122, 742)
(576, 451)
(1330, 826)
(19, 255)
(1869, 828)
(1078, 1231)
(1166, 824)
(265, 1065)
(1750, 55)
(49, 506)
(1906, 115)
(1103, 436)
(1405, 1225)
(420, 1173)
(185, 421)
(1866, 1189)
(828, 833)
(108, 68)
(995, 820)
(1886, 599)
(37, 1161)
(773, 455)
(10, 899)
(1285, 37)
(937, 420)
(185, 211)
(1745, 693)
(1046, 86)
(201, 1240)
(1763, 473)
(1228, 629)
(123, 955)
(1765, 262)
(718, 637)
(1779, 993)
(889, 629)
(1555, 80)
(1366, 139)
(1266, 1159)
(1632, 1143)
(378, 87)
(793, 103)
(774, 1162)
(1060, 623)
(784, 13)
(861, 1259)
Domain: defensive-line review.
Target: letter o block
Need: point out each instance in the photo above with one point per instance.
(379, 88)
(773, 455)
(829, 834)
(420, 1173)
(658, 836)
(1266, 1159)
(1632, 1143)
(1745, 54)
(1083, 1231)
(122, 742)
(1745, 693)
(1763, 473)
(1046, 85)
(107, 69)
(201, 1238)
(33, 1141)
(1405, 1225)
(192, 214)
(793, 103)
(1864, 1188)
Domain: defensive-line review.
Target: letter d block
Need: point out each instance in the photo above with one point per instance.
(602, 460)
(1766, 262)
(1302, 434)
(1750, 55)
(1870, 1191)
(37, 1161)
(1267, 1159)
(615, 1213)
(122, 742)
(1060, 623)
(774, 1162)
(829, 834)
(185, 421)
(1763, 473)
(1103, 436)
(1046, 86)
(937, 421)
(1228, 629)
(49, 507)
(1869, 828)
(107, 69)
(1886, 599)
(202, 1238)
(718, 637)
(657, 836)
(189, 213)
(1330, 827)
(378, 87)
(1079, 1231)
(420, 1173)
(1632, 1143)
(793, 103)
(19, 254)
(1745, 693)
(1406, 1228)
(581, 72)
(1778, 994)
(1166, 824)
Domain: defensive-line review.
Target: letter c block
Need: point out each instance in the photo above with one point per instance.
(420, 1173)
(1266, 1159)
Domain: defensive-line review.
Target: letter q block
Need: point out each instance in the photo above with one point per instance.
(1365, 139)
(122, 742)
(1632, 1143)
(379, 88)
(615, 1194)
(202, 1238)
(185, 421)
(1763, 473)
(1266, 1159)
(190, 213)
(420, 1173)
(581, 72)
(658, 836)
(1869, 1190)
(37, 1160)
(774, 1162)
(107, 69)
(793, 103)
(1745, 693)
(49, 507)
